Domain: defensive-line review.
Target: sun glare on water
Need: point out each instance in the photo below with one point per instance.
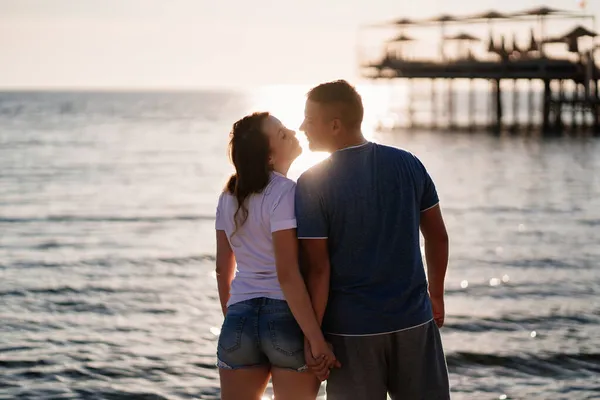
(286, 102)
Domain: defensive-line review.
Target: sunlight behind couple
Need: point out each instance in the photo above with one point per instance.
(286, 102)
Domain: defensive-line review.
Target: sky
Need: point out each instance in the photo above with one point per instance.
(189, 44)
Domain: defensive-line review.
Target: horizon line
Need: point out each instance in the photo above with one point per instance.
(150, 89)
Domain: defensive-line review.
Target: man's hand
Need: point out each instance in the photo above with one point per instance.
(319, 365)
(437, 303)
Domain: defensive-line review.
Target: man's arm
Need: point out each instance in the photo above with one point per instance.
(316, 270)
(313, 232)
(436, 255)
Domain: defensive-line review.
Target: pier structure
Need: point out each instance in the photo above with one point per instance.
(565, 81)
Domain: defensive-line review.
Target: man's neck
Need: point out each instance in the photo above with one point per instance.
(350, 141)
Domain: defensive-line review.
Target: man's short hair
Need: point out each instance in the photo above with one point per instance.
(343, 95)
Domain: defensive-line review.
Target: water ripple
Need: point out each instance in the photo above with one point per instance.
(552, 365)
(105, 218)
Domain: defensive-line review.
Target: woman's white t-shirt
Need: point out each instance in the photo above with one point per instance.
(268, 212)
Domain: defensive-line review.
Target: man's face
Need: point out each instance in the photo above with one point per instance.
(317, 126)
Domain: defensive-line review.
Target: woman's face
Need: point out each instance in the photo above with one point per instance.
(284, 145)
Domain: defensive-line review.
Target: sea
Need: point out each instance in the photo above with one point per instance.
(107, 245)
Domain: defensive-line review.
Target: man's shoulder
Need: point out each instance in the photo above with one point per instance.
(316, 174)
(401, 156)
(393, 151)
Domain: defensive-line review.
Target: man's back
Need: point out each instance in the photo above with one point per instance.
(366, 200)
(359, 214)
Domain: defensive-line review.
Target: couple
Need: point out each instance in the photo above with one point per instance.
(330, 282)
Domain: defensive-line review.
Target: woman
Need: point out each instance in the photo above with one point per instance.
(266, 305)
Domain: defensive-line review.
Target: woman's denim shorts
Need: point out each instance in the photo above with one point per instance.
(261, 332)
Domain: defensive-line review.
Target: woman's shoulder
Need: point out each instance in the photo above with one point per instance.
(279, 184)
(283, 180)
(224, 195)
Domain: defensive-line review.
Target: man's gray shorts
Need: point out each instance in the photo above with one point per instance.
(408, 364)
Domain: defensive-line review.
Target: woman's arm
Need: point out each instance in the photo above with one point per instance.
(225, 268)
(294, 290)
(317, 271)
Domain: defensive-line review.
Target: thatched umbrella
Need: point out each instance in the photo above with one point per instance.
(502, 49)
(541, 13)
(580, 31)
(404, 22)
(533, 44)
(401, 38)
(491, 45)
(490, 16)
(572, 37)
(515, 44)
(462, 38)
(499, 49)
(398, 42)
(442, 19)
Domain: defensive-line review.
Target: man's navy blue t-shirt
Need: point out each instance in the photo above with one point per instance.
(366, 200)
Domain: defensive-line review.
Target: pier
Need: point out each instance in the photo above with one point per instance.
(559, 71)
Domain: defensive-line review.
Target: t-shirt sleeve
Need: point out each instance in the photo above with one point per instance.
(310, 213)
(282, 214)
(219, 220)
(429, 197)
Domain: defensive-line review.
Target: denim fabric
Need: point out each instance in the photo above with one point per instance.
(259, 332)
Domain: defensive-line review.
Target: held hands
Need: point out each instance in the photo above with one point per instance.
(320, 358)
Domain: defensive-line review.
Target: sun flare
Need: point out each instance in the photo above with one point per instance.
(286, 102)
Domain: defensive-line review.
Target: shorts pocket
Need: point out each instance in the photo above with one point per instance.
(286, 336)
(230, 338)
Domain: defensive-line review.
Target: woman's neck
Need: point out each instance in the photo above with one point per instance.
(282, 168)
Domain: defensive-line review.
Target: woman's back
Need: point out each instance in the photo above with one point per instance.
(267, 308)
(252, 243)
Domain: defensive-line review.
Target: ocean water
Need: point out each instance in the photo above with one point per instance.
(107, 288)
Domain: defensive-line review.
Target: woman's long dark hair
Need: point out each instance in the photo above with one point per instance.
(249, 151)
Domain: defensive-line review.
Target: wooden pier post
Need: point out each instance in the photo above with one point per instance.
(434, 108)
(558, 117)
(515, 101)
(546, 107)
(450, 104)
(489, 108)
(587, 115)
(411, 100)
(590, 66)
(471, 105)
(596, 109)
(583, 106)
(498, 105)
(530, 105)
(574, 101)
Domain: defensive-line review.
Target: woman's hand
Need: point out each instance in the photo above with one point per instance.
(320, 358)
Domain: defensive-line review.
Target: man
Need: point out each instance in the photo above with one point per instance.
(359, 213)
